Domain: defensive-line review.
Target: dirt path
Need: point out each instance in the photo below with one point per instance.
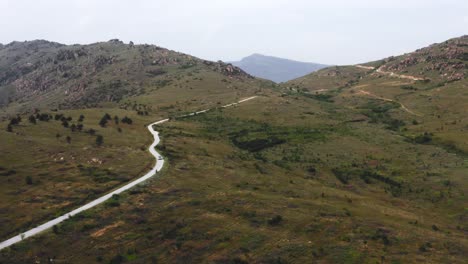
(388, 100)
(392, 74)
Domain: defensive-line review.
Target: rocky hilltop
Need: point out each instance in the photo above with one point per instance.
(442, 61)
(86, 75)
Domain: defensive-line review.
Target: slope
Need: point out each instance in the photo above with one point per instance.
(74, 118)
(343, 175)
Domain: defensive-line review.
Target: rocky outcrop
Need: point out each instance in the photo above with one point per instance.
(85, 75)
(448, 60)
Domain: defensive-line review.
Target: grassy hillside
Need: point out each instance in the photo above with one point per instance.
(346, 165)
(47, 75)
(279, 180)
(49, 167)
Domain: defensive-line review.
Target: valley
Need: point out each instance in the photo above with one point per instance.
(364, 163)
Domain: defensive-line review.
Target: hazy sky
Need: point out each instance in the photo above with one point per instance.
(325, 31)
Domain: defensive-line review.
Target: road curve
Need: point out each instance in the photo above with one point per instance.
(157, 167)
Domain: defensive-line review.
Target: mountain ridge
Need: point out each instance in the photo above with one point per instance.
(275, 68)
(58, 75)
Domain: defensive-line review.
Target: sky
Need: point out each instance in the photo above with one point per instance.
(327, 31)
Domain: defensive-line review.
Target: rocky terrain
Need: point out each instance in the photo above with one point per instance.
(443, 61)
(56, 75)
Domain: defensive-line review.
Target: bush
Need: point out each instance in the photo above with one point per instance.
(117, 259)
(256, 145)
(29, 180)
(103, 122)
(99, 140)
(15, 120)
(32, 119)
(114, 201)
(127, 120)
(423, 138)
(275, 220)
(64, 123)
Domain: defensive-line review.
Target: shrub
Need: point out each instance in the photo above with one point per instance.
(99, 140)
(127, 120)
(276, 220)
(423, 138)
(29, 180)
(103, 122)
(32, 119)
(15, 120)
(114, 201)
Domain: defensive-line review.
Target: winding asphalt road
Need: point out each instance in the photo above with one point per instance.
(157, 167)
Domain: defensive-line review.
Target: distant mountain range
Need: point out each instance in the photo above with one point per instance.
(276, 69)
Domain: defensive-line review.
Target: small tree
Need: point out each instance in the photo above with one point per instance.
(68, 139)
(65, 123)
(103, 121)
(99, 140)
(81, 118)
(116, 120)
(73, 127)
(32, 119)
